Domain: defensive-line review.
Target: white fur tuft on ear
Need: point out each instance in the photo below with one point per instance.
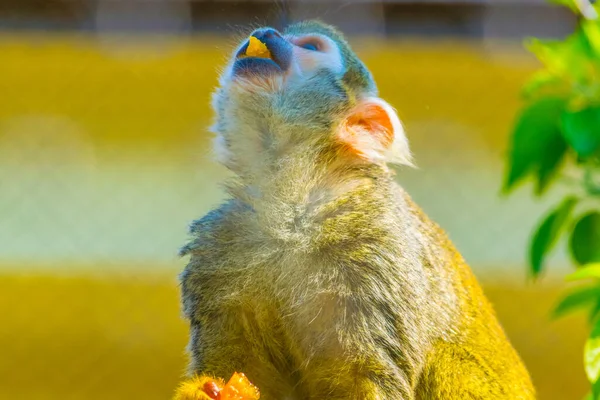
(399, 150)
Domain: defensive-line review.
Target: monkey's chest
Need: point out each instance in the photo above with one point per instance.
(290, 309)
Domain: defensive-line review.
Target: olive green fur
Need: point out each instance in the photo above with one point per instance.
(319, 277)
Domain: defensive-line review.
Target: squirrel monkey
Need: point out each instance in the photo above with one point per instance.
(320, 278)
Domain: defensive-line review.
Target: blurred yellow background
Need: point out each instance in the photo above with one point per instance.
(104, 160)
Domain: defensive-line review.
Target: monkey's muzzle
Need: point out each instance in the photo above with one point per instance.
(265, 52)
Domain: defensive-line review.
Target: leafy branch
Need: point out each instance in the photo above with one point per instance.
(559, 129)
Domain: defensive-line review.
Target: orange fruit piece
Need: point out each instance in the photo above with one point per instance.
(256, 48)
(239, 388)
(207, 388)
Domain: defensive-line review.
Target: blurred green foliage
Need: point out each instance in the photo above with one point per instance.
(558, 134)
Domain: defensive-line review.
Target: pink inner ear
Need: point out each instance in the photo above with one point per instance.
(367, 129)
(374, 119)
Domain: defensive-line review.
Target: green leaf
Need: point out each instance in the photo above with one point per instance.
(577, 299)
(552, 53)
(582, 51)
(591, 29)
(596, 390)
(594, 312)
(585, 272)
(537, 145)
(544, 83)
(548, 233)
(591, 354)
(585, 239)
(591, 179)
(582, 130)
(572, 58)
(550, 163)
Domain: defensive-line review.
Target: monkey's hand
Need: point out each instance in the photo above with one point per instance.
(199, 388)
(208, 388)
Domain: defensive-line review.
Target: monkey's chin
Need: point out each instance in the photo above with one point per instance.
(255, 66)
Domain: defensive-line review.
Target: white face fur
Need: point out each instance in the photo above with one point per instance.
(310, 53)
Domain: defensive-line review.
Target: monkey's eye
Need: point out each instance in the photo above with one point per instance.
(310, 46)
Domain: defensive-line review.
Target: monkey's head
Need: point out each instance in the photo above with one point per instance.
(302, 91)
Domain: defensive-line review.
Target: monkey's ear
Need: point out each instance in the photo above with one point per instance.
(373, 132)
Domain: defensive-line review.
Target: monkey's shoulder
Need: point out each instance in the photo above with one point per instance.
(216, 226)
(215, 268)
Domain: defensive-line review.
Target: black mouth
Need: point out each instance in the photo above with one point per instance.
(256, 66)
(280, 51)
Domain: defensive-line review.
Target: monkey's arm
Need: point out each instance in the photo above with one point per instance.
(217, 344)
(478, 361)
(225, 336)
(461, 372)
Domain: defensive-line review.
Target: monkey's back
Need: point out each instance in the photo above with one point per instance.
(492, 368)
(369, 286)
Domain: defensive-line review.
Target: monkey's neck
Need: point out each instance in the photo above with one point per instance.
(295, 196)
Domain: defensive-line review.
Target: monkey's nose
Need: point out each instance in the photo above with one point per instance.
(267, 43)
(265, 34)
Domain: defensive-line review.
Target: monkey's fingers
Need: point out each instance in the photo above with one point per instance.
(199, 388)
